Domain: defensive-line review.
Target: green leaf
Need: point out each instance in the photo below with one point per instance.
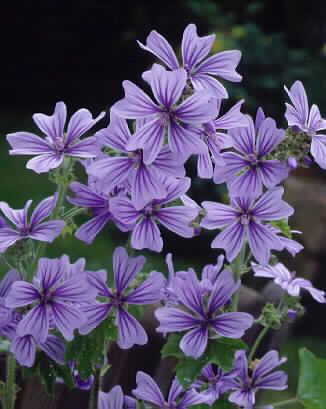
(48, 371)
(312, 379)
(87, 351)
(220, 351)
(222, 403)
(171, 347)
(283, 226)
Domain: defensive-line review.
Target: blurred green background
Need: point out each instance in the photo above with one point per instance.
(80, 51)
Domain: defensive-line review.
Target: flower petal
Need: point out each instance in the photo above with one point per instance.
(270, 205)
(148, 391)
(43, 210)
(54, 347)
(67, 318)
(194, 342)
(125, 268)
(88, 231)
(94, 313)
(21, 294)
(150, 138)
(232, 324)
(149, 292)
(26, 143)
(136, 103)
(146, 235)
(24, 349)
(80, 122)
(115, 169)
(167, 86)
(178, 219)
(45, 162)
(230, 239)
(159, 46)
(218, 215)
(130, 332)
(145, 186)
(193, 47)
(35, 322)
(47, 231)
(175, 320)
(222, 64)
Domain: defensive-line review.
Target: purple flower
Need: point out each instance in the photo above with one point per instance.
(50, 151)
(198, 316)
(209, 276)
(96, 198)
(80, 383)
(143, 223)
(288, 281)
(243, 220)
(166, 114)
(115, 400)
(248, 381)
(8, 317)
(54, 299)
(148, 391)
(35, 228)
(24, 348)
(248, 169)
(200, 71)
(128, 166)
(308, 121)
(213, 382)
(216, 140)
(125, 269)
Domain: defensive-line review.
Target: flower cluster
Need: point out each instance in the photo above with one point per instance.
(136, 180)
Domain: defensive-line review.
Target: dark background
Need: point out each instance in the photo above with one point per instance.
(81, 51)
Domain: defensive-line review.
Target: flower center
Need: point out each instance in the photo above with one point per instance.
(245, 219)
(253, 160)
(166, 117)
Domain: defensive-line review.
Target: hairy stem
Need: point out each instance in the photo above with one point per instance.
(93, 397)
(237, 269)
(10, 388)
(256, 344)
(285, 403)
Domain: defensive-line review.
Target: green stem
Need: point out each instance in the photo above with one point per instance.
(237, 267)
(10, 388)
(93, 398)
(285, 403)
(254, 348)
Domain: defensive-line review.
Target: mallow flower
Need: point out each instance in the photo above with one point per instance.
(55, 300)
(127, 166)
(24, 349)
(117, 299)
(115, 399)
(35, 228)
(288, 281)
(213, 382)
(216, 140)
(309, 121)
(248, 168)
(144, 222)
(168, 114)
(243, 220)
(200, 316)
(97, 199)
(9, 318)
(56, 144)
(260, 375)
(149, 392)
(200, 70)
